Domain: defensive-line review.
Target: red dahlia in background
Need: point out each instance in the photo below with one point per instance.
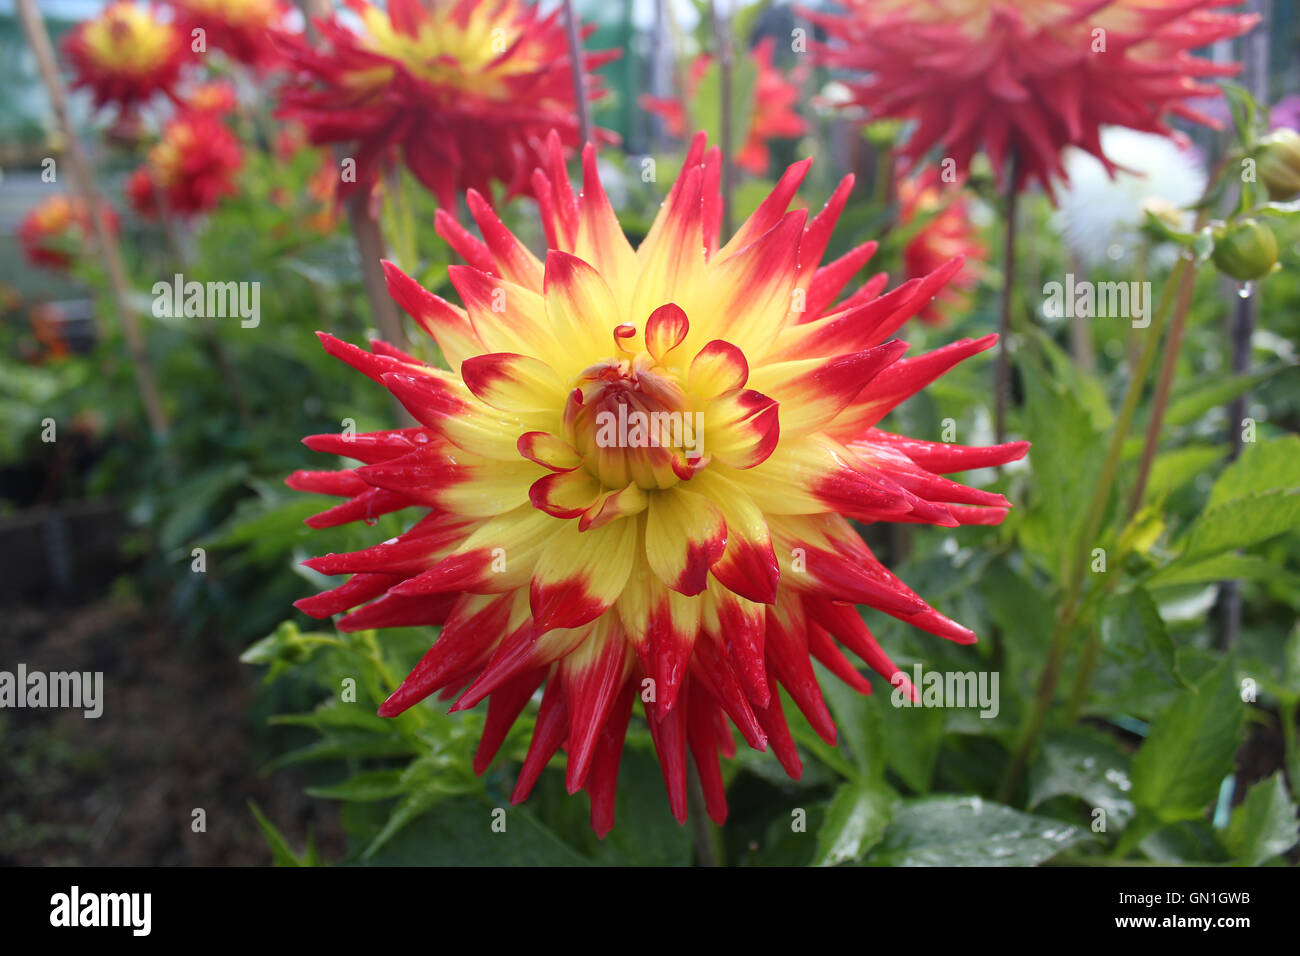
(464, 91)
(772, 113)
(189, 170)
(696, 572)
(53, 231)
(945, 231)
(1027, 77)
(126, 55)
(241, 29)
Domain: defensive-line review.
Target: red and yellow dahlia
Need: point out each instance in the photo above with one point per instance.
(126, 55)
(639, 473)
(464, 90)
(190, 169)
(1028, 77)
(772, 113)
(241, 29)
(946, 231)
(54, 230)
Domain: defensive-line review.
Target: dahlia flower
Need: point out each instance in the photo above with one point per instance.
(1101, 215)
(214, 97)
(191, 168)
(772, 114)
(1028, 77)
(126, 55)
(639, 473)
(54, 229)
(464, 90)
(947, 232)
(241, 29)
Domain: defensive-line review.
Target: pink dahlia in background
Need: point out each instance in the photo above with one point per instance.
(54, 230)
(772, 112)
(241, 29)
(189, 170)
(126, 55)
(464, 91)
(945, 231)
(636, 477)
(1028, 77)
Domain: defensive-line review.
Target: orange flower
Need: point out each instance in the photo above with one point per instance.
(1028, 77)
(241, 29)
(637, 476)
(126, 55)
(52, 232)
(946, 232)
(464, 90)
(771, 110)
(191, 168)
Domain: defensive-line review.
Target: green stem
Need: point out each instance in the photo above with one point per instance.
(1032, 727)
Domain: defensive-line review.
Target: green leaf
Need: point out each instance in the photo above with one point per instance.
(365, 787)
(461, 834)
(1131, 626)
(1221, 567)
(1086, 764)
(1242, 522)
(854, 823)
(1189, 749)
(1190, 405)
(1272, 465)
(1264, 825)
(970, 831)
(858, 724)
(706, 104)
(281, 853)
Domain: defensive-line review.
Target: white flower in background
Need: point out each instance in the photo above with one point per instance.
(1101, 218)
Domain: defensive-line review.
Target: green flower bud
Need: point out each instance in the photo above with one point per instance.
(1278, 163)
(1245, 250)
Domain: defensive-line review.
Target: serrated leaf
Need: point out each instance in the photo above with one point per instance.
(1189, 748)
(969, 831)
(1131, 625)
(1264, 825)
(1242, 522)
(1221, 567)
(1272, 465)
(854, 822)
(1190, 405)
(1085, 764)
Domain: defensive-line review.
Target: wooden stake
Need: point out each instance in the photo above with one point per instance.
(83, 181)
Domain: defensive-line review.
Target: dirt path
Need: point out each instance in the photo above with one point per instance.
(175, 736)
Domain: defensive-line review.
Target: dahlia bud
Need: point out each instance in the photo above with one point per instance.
(1245, 250)
(1278, 163)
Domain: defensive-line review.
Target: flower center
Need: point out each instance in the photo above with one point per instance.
(631, 421)
(128, 40)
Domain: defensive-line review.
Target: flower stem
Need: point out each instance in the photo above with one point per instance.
(578, 68)
(706, 850)
(1002, 373)
(1066, 617)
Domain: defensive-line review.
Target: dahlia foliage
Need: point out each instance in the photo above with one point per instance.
(1028, 77)
(464, 90)
(241, 29)
(639, 474)
(126, 55)
(53, 230)
(945, 230)
(772, 107)
(190, 169)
